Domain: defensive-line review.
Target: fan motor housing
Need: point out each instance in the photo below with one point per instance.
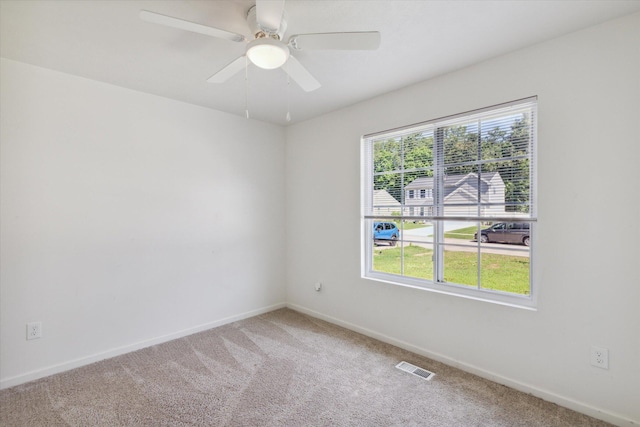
(259, 32)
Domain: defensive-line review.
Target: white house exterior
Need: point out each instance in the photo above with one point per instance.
(460, 195)
(385, 204)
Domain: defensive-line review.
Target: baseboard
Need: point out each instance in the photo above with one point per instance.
(517, 385)
(83, 361)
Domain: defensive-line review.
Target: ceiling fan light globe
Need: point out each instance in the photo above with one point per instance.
(267, 53)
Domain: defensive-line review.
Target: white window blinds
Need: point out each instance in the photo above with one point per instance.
(476, 166)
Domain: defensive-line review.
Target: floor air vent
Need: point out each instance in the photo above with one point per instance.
(412, 369)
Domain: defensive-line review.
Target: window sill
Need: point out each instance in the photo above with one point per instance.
(494, 297)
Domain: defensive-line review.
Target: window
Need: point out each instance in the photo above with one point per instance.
(475, 177)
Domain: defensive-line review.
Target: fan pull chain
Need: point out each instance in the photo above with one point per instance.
(288, 118)
(246, 87)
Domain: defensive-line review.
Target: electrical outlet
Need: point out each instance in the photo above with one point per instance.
(34, 330)
(600, 357)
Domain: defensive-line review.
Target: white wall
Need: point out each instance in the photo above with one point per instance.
(128, 219)
(588, 84)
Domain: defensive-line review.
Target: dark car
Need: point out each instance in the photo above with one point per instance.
(385, 232)
(505, 232)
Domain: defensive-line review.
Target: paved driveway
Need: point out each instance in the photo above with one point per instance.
(428, 230)
(423, 237)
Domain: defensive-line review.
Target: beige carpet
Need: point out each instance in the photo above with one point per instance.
(279, 369)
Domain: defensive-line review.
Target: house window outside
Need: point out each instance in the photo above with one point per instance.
(475, 177)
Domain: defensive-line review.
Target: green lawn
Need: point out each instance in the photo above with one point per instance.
(462, 233)
(410, 225)
(499, 272)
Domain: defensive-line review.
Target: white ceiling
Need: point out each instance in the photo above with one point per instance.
(106, 41)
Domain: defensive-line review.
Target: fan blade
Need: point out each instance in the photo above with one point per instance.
(367, 40)
(300, 75)
(181, 24)
(229, 70)
(269, 14)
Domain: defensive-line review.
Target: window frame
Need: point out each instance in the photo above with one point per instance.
(489, 295)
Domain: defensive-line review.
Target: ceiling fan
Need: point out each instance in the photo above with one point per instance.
(267, 50)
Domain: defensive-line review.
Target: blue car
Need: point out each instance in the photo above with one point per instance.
(385, 232)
